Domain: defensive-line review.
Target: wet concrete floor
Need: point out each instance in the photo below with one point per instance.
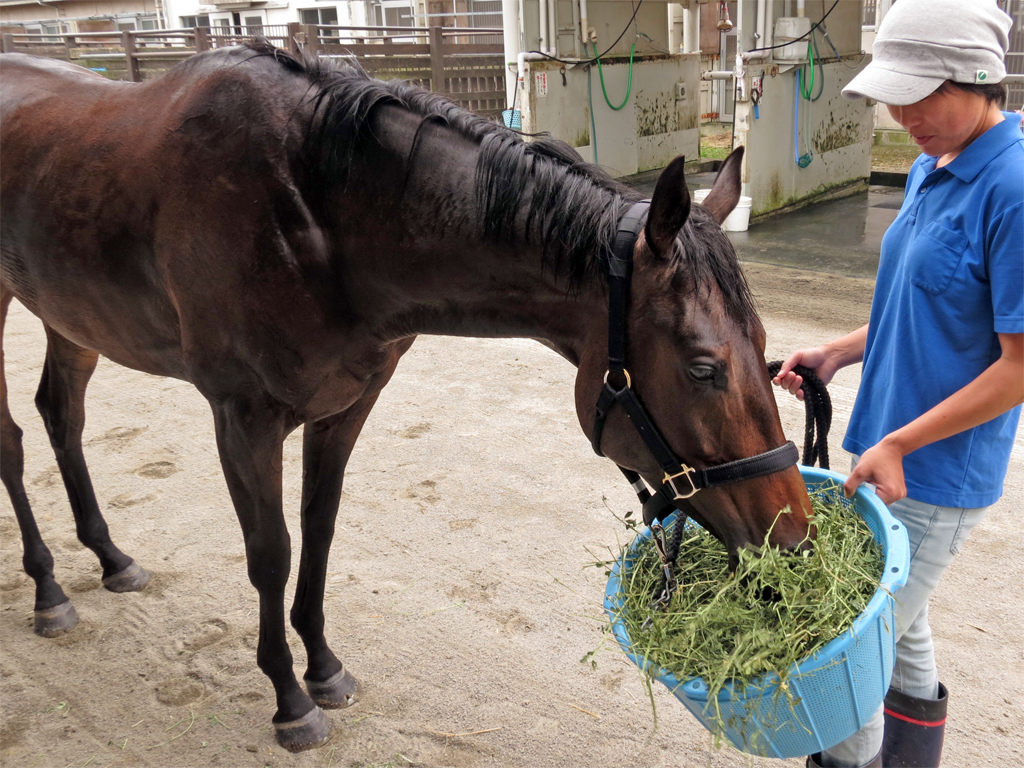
(839, 236)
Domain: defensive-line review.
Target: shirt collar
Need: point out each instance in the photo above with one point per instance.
(984, 149)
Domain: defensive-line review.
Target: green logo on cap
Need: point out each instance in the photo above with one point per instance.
(981, 76)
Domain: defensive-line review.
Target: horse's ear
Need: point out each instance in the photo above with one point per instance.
(670, 208)
(725, 192)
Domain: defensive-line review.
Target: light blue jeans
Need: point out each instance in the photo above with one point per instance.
(936, 536)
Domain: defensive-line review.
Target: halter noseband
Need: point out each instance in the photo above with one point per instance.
(680, 482)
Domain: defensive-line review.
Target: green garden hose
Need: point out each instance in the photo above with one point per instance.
(629, 85)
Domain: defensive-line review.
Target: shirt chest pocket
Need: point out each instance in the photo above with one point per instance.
(934, 256)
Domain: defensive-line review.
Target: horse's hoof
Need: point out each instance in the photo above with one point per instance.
(337, 692)
(130, 579)
(305, 733)
(51, 622)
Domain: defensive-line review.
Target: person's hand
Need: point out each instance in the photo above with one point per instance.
(815, 358)
(882, 466)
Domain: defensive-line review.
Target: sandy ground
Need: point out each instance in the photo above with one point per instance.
(458, 590)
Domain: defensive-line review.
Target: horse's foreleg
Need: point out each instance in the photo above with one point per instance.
(326, 447)
(249, 439)
(61, 402)
(54, 613)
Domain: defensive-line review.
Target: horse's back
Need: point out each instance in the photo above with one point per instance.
(112, 189)
(28, 79)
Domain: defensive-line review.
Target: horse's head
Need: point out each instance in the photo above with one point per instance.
(695, 360)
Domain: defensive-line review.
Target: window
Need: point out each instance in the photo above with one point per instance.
(148, 23)
(187, 22)
(318, 16)
(253, 25)
(393, 13)
(48, 29)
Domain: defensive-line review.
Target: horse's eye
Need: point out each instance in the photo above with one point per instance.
(702, 373)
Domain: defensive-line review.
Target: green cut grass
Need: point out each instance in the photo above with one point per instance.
(778, 608)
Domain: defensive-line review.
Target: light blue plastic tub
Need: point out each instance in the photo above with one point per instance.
(833, 692)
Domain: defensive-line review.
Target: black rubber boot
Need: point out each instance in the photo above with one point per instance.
(815, 761)
(914, 729)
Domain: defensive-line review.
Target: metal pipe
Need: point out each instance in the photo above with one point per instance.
(55, 9)
(513, 44)
(761, 12)
(542, 12)
(521, 60)
(552, 29)
(691, 29)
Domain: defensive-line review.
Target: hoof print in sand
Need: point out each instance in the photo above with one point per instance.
(157, 470)
(178, 691)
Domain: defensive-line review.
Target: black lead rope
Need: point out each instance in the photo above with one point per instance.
(817, 412)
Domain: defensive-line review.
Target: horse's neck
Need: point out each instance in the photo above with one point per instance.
(422, 266)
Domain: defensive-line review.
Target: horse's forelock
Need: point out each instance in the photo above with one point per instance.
(707, 257)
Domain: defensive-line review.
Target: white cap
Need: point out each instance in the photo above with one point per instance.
(922, 43)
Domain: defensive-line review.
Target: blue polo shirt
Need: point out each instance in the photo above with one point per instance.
(951, 277)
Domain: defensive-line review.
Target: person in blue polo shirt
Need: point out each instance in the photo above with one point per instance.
(943, 351)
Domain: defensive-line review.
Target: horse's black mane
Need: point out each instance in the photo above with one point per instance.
(572, 208)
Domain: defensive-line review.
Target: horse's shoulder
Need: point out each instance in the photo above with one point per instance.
(240, 66)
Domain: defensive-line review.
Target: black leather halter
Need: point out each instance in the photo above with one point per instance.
(680, 481)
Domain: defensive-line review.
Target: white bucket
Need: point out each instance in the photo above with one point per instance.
(699, 195)
(739, 219)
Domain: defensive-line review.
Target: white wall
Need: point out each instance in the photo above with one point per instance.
(839, 137)
(348, 13)
(648, 132)
(16, 14)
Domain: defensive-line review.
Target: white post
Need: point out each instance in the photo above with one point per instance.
(552, 49)
(691, 28)
(513, 44)
(542, 10)
(881, 9)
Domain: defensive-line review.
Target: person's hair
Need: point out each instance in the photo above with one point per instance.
(994, 93)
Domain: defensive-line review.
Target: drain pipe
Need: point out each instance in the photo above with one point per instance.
(542, 10)
(552, 30)
(691, 29)
(513, 44)
(584, 26)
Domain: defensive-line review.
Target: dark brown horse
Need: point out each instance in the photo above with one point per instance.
(278, 232)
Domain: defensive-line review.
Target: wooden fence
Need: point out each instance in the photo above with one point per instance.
(461, 63)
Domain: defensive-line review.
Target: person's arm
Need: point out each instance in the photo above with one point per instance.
(824, 360)
(999, 388)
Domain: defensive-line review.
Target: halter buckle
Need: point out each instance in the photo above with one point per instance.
(688, 474)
